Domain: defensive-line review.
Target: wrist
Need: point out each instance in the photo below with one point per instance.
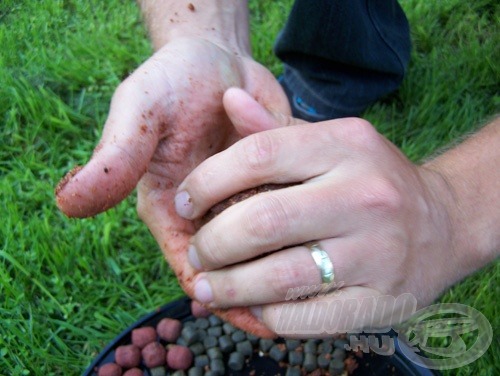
(466, 180)
(222, 22)
(446, 217)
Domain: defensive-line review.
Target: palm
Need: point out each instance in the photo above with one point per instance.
(187, 112)
(164, 120)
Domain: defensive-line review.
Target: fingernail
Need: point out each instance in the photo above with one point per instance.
(257, 312)
(203, 291)
(184, 205)
(193, 258)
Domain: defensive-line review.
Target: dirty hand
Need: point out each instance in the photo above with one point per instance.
(164, 120)
(383, 221)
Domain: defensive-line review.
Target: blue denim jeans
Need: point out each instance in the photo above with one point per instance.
(340, 56)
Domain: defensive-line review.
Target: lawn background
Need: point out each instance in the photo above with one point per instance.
(67, 286)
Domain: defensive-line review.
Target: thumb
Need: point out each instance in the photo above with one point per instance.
(129, 139)
(248, 116)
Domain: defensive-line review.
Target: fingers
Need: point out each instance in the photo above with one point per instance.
(355, 309)
(287, 274)
(321, 316)
(128, 142)
(272, 220)
(283, 155)
(172, 234)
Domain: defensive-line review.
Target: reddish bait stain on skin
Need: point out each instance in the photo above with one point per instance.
(241, 317)
(143, 129)
(163, 128)
(65, 180)
(98, 148)
(176, 244)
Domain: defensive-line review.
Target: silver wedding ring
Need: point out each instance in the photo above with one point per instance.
(322, 261)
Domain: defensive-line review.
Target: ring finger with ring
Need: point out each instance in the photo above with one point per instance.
(291, 273)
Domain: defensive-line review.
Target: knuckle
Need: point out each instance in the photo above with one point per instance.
(285, 275)
(268, 221)
(285, 120)
(200, 186)
(259, 152)
(383, 196)
(362, 128)
(212, 255)
(360, 132)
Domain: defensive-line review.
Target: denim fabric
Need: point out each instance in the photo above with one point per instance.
(340, 56)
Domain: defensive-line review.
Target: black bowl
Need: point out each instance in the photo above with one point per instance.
(369, 364)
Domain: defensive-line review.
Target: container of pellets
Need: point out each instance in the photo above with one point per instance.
(182, 339)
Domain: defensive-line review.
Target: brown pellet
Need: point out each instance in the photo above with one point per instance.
(169, 329)
(143, 336)
(179, 357)
(110, 369)
(198, 310)
(128, 356)
(134, 372)
(154, 355)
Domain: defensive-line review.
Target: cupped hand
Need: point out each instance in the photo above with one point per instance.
(382, 220)
(164, 120)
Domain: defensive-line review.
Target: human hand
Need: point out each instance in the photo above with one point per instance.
(383, 221)
(164, 120)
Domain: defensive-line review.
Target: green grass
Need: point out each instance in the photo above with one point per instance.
(67, 287)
